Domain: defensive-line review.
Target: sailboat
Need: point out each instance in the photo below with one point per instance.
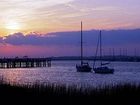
(102, 69)
(84, 66)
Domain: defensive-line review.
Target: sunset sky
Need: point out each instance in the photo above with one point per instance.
(44, 17)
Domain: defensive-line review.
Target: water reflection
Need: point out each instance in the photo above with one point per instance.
(65, 73)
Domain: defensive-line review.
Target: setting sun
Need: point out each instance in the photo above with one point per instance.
(12, 25)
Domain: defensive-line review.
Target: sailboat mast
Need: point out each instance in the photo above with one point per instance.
(101, 47)
(81, 43)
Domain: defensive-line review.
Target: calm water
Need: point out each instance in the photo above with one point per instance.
(64, 72)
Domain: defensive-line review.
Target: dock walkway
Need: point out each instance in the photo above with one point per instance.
(24, 62)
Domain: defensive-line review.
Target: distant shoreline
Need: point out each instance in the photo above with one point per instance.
(91, 58)
(104, 58)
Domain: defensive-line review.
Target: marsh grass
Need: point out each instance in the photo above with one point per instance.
(122, 94)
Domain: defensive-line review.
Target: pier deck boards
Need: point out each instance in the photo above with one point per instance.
(25, 62)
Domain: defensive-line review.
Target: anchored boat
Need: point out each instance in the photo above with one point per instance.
(84, 66)
(103, 68)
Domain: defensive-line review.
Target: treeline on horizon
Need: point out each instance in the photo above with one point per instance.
(105, 58)
(93, 58)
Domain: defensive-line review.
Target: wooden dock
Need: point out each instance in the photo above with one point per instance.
(25, 62)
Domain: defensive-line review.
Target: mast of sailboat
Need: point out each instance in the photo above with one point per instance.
(101, 47)
(81, 43)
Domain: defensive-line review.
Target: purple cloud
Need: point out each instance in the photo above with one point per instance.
(68, 43)
(113, 37)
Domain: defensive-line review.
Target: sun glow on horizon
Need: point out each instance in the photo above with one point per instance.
(48, 16)
(12, 25)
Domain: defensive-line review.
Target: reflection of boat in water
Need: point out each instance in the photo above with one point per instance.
(102, 69)
(84, 66)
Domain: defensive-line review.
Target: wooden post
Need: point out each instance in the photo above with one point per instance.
(49, 63)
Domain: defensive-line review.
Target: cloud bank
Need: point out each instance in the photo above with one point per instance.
(113, 37)
(68, 43)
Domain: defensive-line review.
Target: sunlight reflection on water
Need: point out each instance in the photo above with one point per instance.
(65, 73)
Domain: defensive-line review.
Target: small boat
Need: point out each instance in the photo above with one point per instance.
(84, 66)
(102, 69)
